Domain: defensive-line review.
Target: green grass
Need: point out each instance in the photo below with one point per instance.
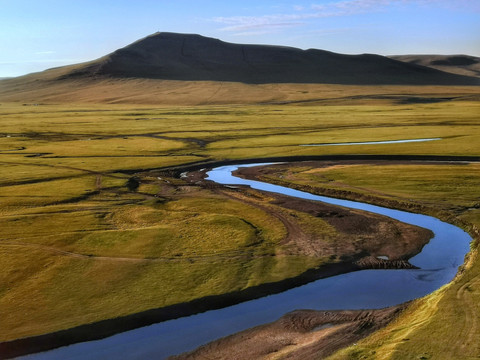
(445, 324)
(423, 184)
(127, 258)
(77, 246)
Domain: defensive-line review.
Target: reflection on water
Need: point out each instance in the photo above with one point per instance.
(366, 289)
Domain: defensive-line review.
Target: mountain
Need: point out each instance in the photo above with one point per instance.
(172, 56)
(170, 68)
(455, 64)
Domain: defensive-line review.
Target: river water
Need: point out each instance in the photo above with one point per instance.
(367, 289)
(375, 142)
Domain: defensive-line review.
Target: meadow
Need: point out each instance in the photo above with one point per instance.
(79, 244)
(443, 325)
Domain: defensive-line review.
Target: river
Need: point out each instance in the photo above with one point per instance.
(367, 289)
(375, 142)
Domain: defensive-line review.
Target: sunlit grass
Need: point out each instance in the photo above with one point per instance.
(424, 183)
(77, 245)
(442, 325)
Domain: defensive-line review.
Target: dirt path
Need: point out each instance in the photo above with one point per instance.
(295, 234)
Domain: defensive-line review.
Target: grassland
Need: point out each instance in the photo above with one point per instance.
(78, 245)
(443, 325)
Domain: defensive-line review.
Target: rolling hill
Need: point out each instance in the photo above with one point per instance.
(172, 56)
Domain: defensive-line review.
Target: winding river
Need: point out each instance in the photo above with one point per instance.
(367, 289)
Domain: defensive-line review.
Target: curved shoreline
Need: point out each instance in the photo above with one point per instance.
(110, 327)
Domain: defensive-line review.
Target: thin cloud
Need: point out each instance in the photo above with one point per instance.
(349, 7)
(248, 25)
(259, 26)
(242, 24)
(346, 7)
(266, 22)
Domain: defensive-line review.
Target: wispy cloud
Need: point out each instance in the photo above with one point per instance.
(249, 25)
(270, 23)
(243, 23)
(346, 7)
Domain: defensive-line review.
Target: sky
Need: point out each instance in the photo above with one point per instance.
(39, 34)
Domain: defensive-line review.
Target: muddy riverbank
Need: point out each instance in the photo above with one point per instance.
(299, 335)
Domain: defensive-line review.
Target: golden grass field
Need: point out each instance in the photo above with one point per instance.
(78, 246)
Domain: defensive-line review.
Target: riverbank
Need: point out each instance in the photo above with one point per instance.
(351, 223)
(452, 195)
(236, 343)
(299, 335)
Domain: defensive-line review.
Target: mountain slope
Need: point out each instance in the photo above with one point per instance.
(455, 64)
(172, 56)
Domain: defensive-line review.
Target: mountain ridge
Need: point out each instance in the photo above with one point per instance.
(192, 57)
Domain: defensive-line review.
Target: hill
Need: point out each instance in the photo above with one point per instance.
(455, 64)
(172, 56)
(172, 68)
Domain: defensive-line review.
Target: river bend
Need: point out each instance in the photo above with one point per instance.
(367, 289)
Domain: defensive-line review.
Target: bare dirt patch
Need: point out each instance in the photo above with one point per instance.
(302, 334)
(362, 237)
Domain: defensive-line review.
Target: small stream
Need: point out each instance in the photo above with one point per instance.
(374, 142)
(367, 289)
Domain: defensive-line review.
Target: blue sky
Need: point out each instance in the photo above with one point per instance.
(40, 34)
